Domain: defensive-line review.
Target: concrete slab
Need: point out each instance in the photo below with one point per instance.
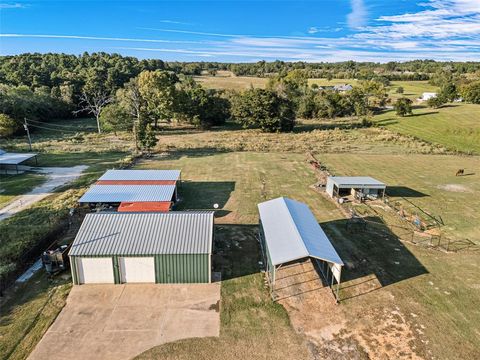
(122, 321)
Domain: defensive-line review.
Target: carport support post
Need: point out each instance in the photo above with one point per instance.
(338, 284)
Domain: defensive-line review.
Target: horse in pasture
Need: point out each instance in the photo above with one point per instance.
(460, 172)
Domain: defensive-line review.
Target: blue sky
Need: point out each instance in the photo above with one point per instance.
(237, 31)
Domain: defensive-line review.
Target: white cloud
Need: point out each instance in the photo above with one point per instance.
(80, 37)
(358, 17)
(174, 22)
(13, 6)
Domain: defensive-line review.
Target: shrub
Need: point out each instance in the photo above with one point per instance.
(403, 106)
(8, 126)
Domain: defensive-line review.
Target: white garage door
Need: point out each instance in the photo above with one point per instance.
(137, 269)
(95, 270)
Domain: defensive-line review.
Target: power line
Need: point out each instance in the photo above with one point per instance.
(52, 124)
(51, 129)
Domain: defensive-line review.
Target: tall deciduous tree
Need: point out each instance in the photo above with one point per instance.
(264, 109)
(93, 104)
(158, 90)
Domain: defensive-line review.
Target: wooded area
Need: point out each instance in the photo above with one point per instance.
(124, 93)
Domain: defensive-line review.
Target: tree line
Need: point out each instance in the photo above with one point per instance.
(127, 94)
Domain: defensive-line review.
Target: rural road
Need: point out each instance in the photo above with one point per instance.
(56, 177)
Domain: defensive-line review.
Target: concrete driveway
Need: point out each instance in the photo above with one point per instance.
(122, 321)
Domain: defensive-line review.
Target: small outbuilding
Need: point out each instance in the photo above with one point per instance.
(139, 177)
(365, 186)
(115, 194)
(13, 160)
(289, 232)
(135, 190)
(117, 248)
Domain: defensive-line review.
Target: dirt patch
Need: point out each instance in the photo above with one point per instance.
(333, 332)
(455, 188)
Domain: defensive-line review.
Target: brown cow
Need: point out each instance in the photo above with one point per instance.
(460, 172)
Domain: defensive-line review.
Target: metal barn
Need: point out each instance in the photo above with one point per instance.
(119, 248)
(135, 190)
(289, 232)
(338, 186)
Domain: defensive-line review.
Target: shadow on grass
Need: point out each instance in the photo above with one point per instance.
(236, 251)
(386, 122)
(404, 191)
(202, 195)
(374, 256)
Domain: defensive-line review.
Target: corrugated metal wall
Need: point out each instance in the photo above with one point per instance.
(190, 268)
(169, 269)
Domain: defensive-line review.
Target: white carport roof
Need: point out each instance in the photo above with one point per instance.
(128, 193)
(292, 232)
(7, 158)
(141, 175)
(357, 181)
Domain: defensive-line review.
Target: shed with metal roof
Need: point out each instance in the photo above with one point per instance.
(137, 177)
(112, 194)
(289, 232)
(8, 159)
(339, 186)
(115, 247)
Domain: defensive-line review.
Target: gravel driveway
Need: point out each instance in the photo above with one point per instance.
(56, 177)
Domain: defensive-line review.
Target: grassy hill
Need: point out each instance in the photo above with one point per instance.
(455, 126)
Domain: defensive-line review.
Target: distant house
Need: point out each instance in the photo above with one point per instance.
(427, 96)
(343, 87)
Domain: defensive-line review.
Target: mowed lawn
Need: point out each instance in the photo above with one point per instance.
(391, 289)
(428, 181)
(455, 126)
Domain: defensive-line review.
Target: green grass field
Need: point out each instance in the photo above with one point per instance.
(455, 126)
(251, 328)
(428, 181)
(412, 89)
(428, 291)
(12, 186)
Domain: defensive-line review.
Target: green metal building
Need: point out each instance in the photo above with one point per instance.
(117, 248)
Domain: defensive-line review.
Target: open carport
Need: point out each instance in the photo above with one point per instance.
(289, 233)
(13, 160)
(119, 322)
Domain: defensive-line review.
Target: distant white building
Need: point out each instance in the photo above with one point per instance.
(343, 87)
(427, 96)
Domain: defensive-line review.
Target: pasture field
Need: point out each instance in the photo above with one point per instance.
(412, 89)
(391, 290)
(231, 82)
(428, 181)
(454, 126)
(12, 186)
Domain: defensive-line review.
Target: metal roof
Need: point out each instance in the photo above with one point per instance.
(292, 232)
(354, 181)
(127, 193)
(107, 234)
(14, 158)
(141, 175)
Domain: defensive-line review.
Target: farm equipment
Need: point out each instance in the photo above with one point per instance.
(55, 259)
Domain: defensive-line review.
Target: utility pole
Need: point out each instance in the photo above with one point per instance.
(25, 125)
